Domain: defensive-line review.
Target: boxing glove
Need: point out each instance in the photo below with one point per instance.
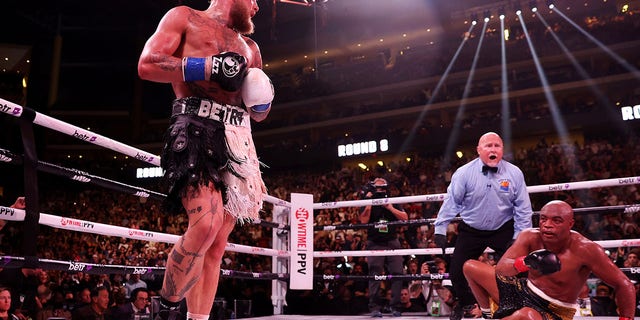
(257, 91)
(228, 69)
(441, 241)
(543, 260)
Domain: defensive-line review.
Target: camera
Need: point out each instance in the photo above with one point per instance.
(377, 191)
(431, 267)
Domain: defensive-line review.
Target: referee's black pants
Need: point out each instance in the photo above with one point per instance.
(470, 244)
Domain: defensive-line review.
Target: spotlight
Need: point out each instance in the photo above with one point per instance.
(487, 15)
(533, 5)
(550, 4)
(474, 18)
(501, 13)
(518, 8)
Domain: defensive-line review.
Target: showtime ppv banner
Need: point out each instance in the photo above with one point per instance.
(301, 260)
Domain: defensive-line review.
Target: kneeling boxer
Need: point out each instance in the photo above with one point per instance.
(557, 262)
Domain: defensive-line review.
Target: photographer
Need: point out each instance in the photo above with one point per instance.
(436, 293)
(382, 237)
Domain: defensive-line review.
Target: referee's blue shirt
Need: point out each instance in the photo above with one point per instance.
(486, 201)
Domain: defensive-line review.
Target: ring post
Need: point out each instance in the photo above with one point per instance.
(279, 264)
(32, 215)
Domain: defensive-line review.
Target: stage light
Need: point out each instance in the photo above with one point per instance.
(474, 18)
(501, 13)
(487, 15)
(550, 4)
(533, 5)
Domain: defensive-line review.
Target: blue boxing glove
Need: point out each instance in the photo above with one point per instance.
(228, 69)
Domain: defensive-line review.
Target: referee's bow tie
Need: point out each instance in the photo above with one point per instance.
(486, 169)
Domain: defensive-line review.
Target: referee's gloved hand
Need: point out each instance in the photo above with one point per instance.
(543, 260)
(441, 241)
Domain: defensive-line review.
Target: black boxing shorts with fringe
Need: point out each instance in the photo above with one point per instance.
(211, 143)
(517, 293)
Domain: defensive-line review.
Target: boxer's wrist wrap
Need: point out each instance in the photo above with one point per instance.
(520, 265)
(193, 69)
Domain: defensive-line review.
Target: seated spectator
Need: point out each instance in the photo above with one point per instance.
(632, 259)
(360, 302)
(603, 304)
(56, 308)
(97, 309)
(139, 303)
(83, 298)
(409, 305)
(133, 283)
(5, 304)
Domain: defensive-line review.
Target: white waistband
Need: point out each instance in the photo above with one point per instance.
(552, 300)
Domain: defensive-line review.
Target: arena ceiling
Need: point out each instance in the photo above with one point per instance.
(283, 25)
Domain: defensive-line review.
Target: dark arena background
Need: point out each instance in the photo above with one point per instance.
(363, 88)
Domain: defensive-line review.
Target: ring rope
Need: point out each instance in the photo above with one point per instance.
(72, 224)
(82, 176)
(93, 268)
(85, 177)
(565, 186)
(630, 208)
(76, 132)
(438, 251)
(13, 214)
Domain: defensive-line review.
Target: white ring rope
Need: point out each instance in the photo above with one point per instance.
(428, 251)
(79, 133)
(73, 224)
(441, 196)
(276, 201)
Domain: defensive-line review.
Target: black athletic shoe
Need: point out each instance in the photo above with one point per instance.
(169, 315)
(168, 310)
(457, 312)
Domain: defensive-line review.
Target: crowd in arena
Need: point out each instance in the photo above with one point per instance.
(545, 163)
(39, 293)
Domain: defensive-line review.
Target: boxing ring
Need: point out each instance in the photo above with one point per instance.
(292, 226)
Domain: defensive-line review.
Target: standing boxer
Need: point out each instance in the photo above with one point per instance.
(210, 160)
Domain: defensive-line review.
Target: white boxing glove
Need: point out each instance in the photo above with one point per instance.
(257, 91)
